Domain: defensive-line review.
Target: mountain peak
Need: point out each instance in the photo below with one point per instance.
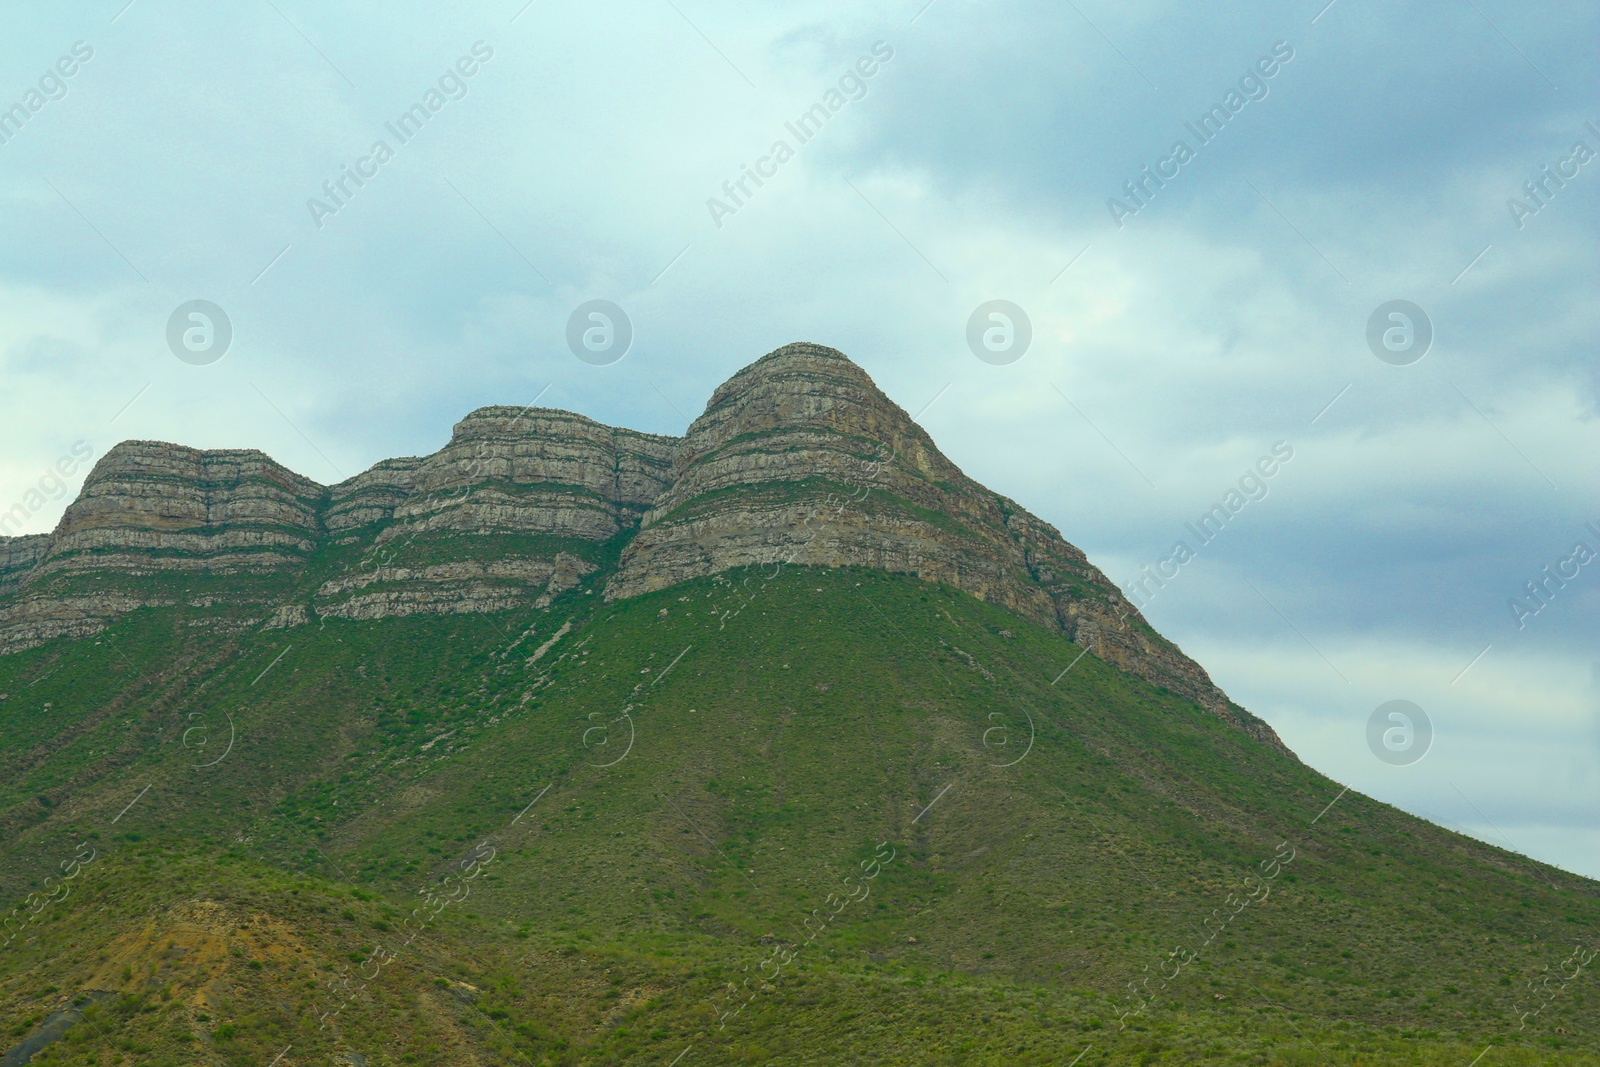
(796, 370)
(799, 459)
(797, 350)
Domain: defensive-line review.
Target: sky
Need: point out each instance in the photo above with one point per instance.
(1181, 337)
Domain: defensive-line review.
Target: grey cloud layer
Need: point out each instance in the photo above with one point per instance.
(1222, 318)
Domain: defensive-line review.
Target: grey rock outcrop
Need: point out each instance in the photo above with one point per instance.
(459, 588)
(148, 506)
(494, 521)
(18, 555)
(798, 458)
(520, 471)
(371, 496)
(506, 504)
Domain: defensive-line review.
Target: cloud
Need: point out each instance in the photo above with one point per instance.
(1228, 314)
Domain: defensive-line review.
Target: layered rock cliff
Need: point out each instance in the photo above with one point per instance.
(798, 459)
(519, 471)
(506, 515)
(18, 555)
(150, 508)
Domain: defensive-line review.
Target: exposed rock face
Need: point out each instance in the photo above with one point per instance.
(799, 458)
(519, 471)
(371, 496)
(510, 489)
(484, 524)
(26, 621)
(18, 556)
(451, 588)
(149, 507)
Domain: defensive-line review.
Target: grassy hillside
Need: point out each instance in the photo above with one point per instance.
(803, 816)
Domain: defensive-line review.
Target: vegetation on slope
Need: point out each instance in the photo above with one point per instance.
(903, 825)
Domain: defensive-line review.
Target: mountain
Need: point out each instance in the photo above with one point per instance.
(799, 458)
(783, 741)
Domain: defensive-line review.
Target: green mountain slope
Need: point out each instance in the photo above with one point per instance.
(561, 835)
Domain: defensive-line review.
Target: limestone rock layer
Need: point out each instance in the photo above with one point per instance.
(798, 459)
(148, 505)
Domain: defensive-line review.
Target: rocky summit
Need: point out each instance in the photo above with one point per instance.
(799, 458)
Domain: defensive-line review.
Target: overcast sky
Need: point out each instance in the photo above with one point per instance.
(1177, 336)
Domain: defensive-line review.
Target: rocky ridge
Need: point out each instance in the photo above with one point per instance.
(798, 459)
